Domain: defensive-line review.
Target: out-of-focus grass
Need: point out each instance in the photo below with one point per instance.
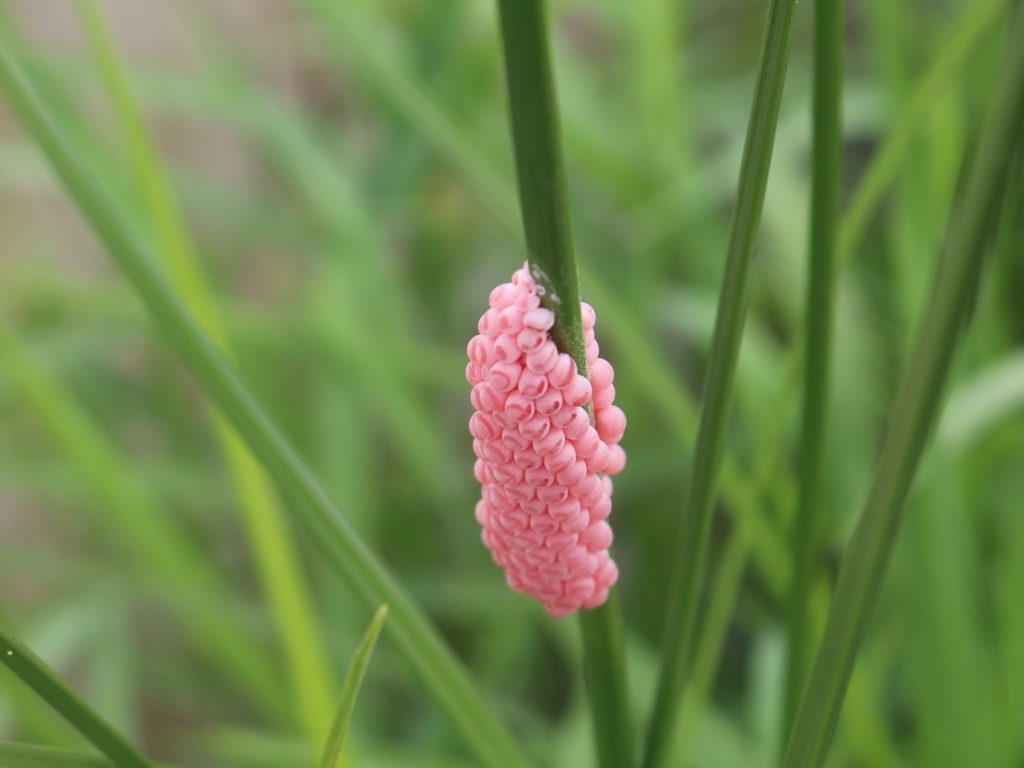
(349, 186)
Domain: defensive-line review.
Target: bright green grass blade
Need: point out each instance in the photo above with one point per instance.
(542, 196)
(660, 89)
(30, 756)
(988, 398)
(956, 707)
(435, 664)
(826, 154)
(689, 569)
(914, 416)
(142, 529)
(966, 33)
(350, 690)
(269, 536)
(34, 672)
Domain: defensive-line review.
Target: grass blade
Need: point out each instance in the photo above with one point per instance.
(732, 305)
(826, 154)
(269, 536)
(914, 415)
(34, 672)
(542, 197)
(965, 35)
(438, 668)
(30, 756)
(350, 689)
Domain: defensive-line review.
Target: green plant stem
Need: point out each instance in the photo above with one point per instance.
(269, 536)
(914, 415)
(691, 565)
(435, 664)
(544, 206)
(34, 672)
(540, 170)
(826, 157)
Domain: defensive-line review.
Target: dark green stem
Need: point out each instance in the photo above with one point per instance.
(540, 169)
(543, 201)
(825, 155)
(34, 672)
(913, 417)
(692, 563)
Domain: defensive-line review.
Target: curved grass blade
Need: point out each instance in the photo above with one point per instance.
(695, 528)
(435, 664)
(350, 689)
(269, 536)
(826, 152)
(542, 196)
(915, 413)
(34, 672)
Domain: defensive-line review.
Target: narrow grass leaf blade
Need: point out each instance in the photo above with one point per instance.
(694, 531)
(542, 196)
(915, 414)
(966, 34)
(34, 672)
(269, 536)
(438, 668)
(350, 690)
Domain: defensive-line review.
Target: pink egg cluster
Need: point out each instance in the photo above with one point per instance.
(544, 468)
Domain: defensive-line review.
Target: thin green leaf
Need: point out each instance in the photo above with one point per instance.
(350, 689)
(269, 536)
(438, 668)
(692, 553)
(915, 413)
(34, 672)
(826, 154)
(542, 197)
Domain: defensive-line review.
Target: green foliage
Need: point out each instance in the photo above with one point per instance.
(344, 182)
(350, 690)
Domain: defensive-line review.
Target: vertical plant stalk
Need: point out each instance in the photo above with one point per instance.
(34, 672)
(914, 415)
(826, 156)
(732, 306)
(434, 663)
(269, 536)
(542, 196)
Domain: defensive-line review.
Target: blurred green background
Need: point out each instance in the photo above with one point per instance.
(344, 169)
